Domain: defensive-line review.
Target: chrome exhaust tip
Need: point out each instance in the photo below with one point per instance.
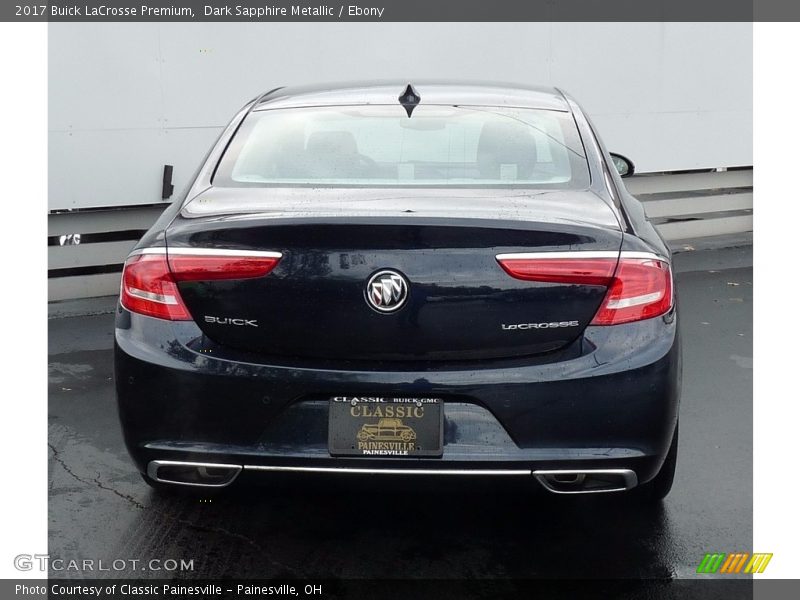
(590, 481)
(209, 475)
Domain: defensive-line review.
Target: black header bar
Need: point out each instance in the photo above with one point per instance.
(273, 11)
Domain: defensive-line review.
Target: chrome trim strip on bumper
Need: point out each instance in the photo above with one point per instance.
(368, 471)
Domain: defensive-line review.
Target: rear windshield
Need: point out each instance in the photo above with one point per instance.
(378, 145)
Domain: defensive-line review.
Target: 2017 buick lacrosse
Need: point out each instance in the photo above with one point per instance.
(423, 279)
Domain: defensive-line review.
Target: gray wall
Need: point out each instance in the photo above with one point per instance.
(126, 99)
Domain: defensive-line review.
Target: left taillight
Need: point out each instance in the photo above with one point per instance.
(148, 288)
(149, 280)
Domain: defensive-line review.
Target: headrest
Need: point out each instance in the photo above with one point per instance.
(503, 143)
(332, 142)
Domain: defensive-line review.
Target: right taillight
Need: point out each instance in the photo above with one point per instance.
(640, 289)
(639, 285)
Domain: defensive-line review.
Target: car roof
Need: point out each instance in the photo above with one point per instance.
(468, 93)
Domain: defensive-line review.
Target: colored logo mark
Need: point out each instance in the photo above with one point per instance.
(738, 562)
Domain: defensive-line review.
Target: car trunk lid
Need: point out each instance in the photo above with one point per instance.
(436, 250)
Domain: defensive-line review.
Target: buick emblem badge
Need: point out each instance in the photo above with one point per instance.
(387, 291)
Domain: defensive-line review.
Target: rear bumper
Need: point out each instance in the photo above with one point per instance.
(559, 481)
(612, 405)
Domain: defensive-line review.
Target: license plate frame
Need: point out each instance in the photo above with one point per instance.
(386, 426)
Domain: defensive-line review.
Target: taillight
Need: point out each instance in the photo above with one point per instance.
(149, 280)
(642, 289)
(639, 284)
(196, 266)
(148, 288)
(588, 271)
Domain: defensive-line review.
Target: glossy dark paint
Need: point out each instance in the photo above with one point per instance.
(445, 243)
(611, 401)
(598, 397)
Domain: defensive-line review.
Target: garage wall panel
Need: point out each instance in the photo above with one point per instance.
(127, 98)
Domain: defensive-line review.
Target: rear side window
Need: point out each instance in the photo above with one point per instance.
(378, 145)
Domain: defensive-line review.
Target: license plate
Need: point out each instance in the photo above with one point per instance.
(385, 426)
